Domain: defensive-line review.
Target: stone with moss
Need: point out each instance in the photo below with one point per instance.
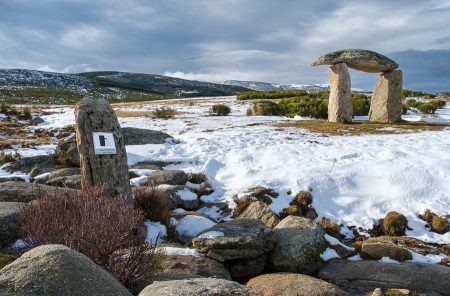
(395, 224)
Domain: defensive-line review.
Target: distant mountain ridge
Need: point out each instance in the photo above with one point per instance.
(266, 86)
(32, 86)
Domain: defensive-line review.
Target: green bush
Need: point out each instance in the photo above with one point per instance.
(25, 114)
(361, 104)
(219, 110)
(427, 108)
(415, 93)
(271, 94)
(305, 106)
(164, 113)
(265, 108)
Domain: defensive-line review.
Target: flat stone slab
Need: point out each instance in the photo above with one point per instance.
(358, 59)
(26, 192)
(363, 276)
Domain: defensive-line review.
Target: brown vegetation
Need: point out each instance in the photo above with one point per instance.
(156, 206)
(357, 128)
(394, 224)
(331, 227)
(437, 223)
(241, 205)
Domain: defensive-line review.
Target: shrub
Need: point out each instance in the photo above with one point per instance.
(331, 228)
(394, 224)
(271, 94)
(136, 267)
(264, 108)
(291, 210)
(437, 223)
(219, 110)
(6, 157)
(361, 104)
(164, 113)
(156, 206)
(197, 178)
(204, 189)
(427, 108)
(87, 221)
(302, 199)
(241, 205)
(305, 106)
(25, 114)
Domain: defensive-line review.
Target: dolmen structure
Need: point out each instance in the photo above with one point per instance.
(386, 102)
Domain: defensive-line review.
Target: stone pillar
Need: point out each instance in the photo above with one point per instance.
(110, 169)
(386, 102)
(340, 106)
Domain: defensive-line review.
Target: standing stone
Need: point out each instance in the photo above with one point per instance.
(109, 169)
(386, 103)
(340, 106)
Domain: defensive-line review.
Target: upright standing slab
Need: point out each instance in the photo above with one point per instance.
(340, 106)
(386, 102)
(107, 163)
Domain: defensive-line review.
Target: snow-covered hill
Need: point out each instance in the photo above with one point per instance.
(265, 86)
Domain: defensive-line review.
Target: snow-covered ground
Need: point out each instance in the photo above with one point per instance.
(355, 180)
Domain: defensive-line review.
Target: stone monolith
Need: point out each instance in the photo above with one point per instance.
(95, 122)
(386, 102)
(340, 106)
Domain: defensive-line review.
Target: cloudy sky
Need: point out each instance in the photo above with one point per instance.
(216, 40)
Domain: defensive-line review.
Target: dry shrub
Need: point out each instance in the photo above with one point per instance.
(197, 178)
(241, 205)
(394, 224)
(437, 223)
(6, 157)
(331, 227)
(204, 189)
(156, 206)
(164, 113)
(291, 210)
(303, 199)
(87, 221)
(127, 266)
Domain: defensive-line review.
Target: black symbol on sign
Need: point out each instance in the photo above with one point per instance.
(102, 140)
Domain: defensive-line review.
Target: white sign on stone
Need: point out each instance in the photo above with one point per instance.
(104, 143)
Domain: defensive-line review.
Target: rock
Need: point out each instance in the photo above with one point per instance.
(57, 270)
(404, 242)
(26, 192)
(5, 259)
(292, 284)
(298, 244)
(363, 276)
(242, 270)
(340, 105)
(178, 267)
(358, 59)
(169, 177)
(110, 170)
(198, 287)
(65, 172)
(235, 239)
(139, 136)
(377, 250)
(66, 152)
(386, 101)
(9, 217)
(8, 179)
(182, 197)
(260, 210)
(44, 163)
(36, 120)
(73, 182)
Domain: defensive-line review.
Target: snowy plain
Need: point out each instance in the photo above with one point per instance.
(355, 180)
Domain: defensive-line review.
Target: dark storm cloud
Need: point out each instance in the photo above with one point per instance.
(229, 39)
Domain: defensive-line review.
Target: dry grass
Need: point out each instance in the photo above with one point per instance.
(125, 114)
(331, 227)
(197, 178)
(241, 205)
(12, 133)
(357, 128)
(156, 206)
